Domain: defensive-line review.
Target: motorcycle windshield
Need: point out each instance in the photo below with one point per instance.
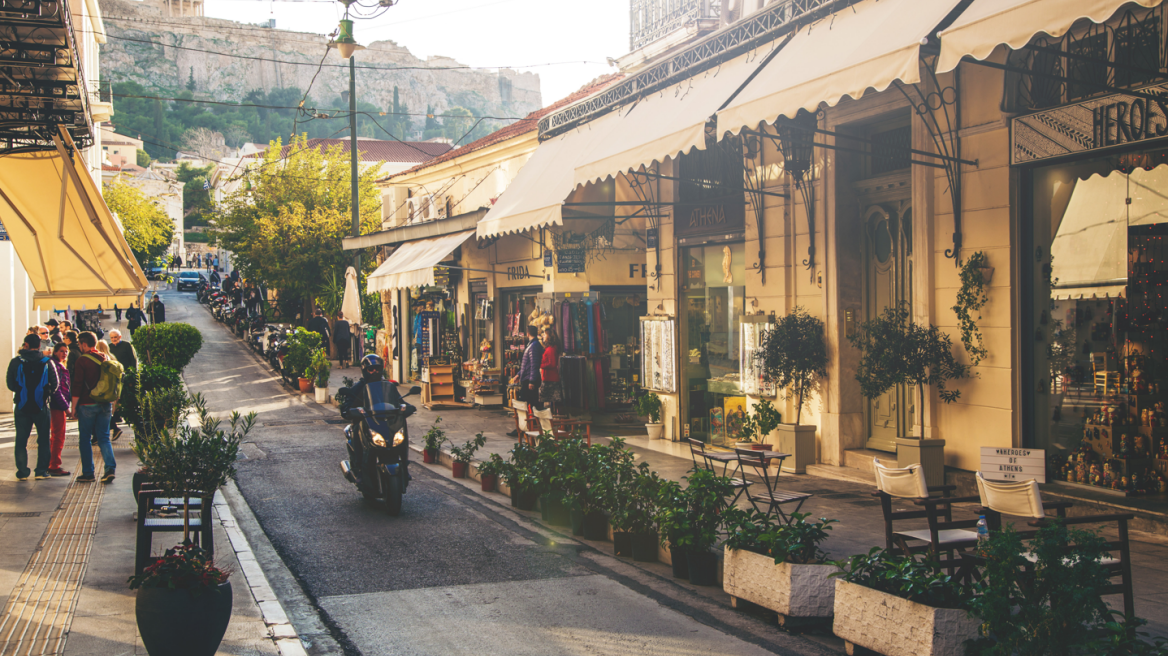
(381, 397)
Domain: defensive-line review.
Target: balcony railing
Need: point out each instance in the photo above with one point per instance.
(650, 20)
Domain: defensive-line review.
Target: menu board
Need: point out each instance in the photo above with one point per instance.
(658, 364)
(570, 258)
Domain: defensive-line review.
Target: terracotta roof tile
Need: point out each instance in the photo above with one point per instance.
(110, 167)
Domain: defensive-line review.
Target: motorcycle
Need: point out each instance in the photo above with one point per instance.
(379, 444)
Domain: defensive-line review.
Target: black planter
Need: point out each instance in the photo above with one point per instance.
(645, 547)
(557, 512)
(544, 507)
(577, 522)
(622, 544)
(177, 623)
(596, 526)
(680, 562)
(703, 568)
(524, 500)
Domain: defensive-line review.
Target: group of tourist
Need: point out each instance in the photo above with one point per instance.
(62, 375)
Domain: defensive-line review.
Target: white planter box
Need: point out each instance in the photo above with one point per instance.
(789, 590)
(892, 626)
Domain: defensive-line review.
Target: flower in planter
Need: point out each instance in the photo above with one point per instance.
(923, 582)
(185, 567)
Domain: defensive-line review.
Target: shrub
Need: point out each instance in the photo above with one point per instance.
(648, 405)
(903, 576)
(465, 453)
(493, 466)
(793, 356)
(689, 518)
(434, 437)
(302, 345)
(758, 532)
(318, 369)
(147, 378)
(171, 345)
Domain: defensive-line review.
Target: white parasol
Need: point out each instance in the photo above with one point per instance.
(351, 304)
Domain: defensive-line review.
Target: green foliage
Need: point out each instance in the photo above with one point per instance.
(689, 518)
(142, 158)
(896, 351)
(793, 356)
(147, 228)
(577, 474)
(904, 576)
(302, 345)
(648, 405)
(520, 467)
(758, 532)
(762, 419)
(318, 369)
(1041, 597)
(197, 203)
(434, 437)
(147, 378)
(185, 567)
(331, 295)
(168, 344)
(465, 453)
(494, 465)
(1123, 638)
(971, 298)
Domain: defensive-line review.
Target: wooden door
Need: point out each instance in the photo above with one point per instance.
(888, 281)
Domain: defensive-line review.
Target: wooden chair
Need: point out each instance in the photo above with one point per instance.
(525, 423)
(560, 427)
(706, 459)
(943, 535)
(200, 523)
(1023, 499)
(773, 498)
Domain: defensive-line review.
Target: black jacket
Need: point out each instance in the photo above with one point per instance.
(319, 325)
(123, 352)
(354, 397)
(33, 363)
(157, 312)
(135, 317)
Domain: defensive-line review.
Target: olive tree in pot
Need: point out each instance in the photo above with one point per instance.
(464, 454)
(689, 520)
(318, 370)
(432, 441)
(793, 356)
(896, 351)
(490, 470)
(649, 405)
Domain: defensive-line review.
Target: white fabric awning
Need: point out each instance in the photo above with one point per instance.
(412, 264)
(534, 198)
(986, 24)
(870, 44)
(667, 122)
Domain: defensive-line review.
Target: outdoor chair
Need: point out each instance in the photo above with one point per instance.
(943, 535)
(523, 419)
(704, 459)
(1023, 499)
(560, 427)
(200, 524)
(773, 498)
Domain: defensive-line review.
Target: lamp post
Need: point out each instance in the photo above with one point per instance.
(797, 141)
(346, 45)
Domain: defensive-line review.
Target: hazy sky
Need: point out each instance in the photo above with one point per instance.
(490, 33)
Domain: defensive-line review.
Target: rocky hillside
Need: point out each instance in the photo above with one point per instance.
(189, 44)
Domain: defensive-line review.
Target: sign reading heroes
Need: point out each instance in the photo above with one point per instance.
(1000, 464)
(1099, 123)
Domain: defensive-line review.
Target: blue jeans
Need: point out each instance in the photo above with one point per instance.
(24, 425)
(93, 427)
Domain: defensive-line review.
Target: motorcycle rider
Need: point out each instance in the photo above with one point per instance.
(372, 371)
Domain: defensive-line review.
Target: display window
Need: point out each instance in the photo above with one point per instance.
(517, 306)
(713, 290)
(1098, 378)
(434, 335)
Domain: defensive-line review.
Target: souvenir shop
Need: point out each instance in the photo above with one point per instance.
(435, 337)
(1098, 374)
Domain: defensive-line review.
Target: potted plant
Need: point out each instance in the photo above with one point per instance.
(318, 371)
(462, 455)
(183, 604)
(578, 480)
(302, 345)
(896, 351)
(624, 497)
(649, 405)
(762, 419)
(689, 520)
(490, 470)
(976, 274)
(553, 466)
(793, 356)
(432, 441)
(898, 606)
(778, 566)
(641, 521)
(520, 477)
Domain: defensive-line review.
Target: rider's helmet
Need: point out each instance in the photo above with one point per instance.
(372, 368)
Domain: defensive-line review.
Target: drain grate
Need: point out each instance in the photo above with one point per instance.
(20, 514)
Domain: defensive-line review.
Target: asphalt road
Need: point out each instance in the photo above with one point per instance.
(455, 573)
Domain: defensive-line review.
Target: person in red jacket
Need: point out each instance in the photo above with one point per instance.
(551, 391)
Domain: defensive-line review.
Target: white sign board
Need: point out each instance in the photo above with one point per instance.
(999, 464)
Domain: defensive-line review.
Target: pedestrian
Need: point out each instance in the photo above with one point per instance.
(46, 341)
(178, 262)
(117, 313)
(551, 393)
(54, 330)
(342, 338)
(529, 375)
(74, 351)
(254, 303)
(215, 279)
(59, 412)
(93, 415)
(32, 379)
(122, 350)
(156, 310)
(319, 325)
(115, 432)
(215, 262)
(134, 319)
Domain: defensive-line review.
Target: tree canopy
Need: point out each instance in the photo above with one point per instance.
(147, 228)
(197, 205)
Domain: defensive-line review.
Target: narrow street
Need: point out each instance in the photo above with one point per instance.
(454, 574)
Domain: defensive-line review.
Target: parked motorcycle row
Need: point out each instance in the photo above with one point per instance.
(267, 339)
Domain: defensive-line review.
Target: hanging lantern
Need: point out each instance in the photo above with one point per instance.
(345, 43)
(797, 141)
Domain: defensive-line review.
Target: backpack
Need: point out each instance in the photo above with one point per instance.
(36, 403)
(109, 387)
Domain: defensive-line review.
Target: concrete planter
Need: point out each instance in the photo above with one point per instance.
(799, 441)
(656, 431)
(929, 454)
(789, 590)
(321, 395)
(892, 626)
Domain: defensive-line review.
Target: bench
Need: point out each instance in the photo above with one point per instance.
(149, 524)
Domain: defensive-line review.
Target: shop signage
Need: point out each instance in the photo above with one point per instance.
(635, 268)
(570, 258)
(547, 259)
(998, 464)
(651, 238)
(705, 219)
(517, 272)
(1096, 124)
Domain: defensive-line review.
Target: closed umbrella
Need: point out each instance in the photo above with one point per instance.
(351, 304)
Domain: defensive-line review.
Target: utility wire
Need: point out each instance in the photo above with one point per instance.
(296, 120)
(232, 104)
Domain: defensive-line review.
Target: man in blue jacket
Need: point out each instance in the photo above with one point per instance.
(33, 380)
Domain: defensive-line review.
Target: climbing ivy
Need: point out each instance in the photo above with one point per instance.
(971, 298)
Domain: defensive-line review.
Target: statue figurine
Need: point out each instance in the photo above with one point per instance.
(1124, 447)
(1123, 483)
(1163, 449)
(1096, 475)
(1163, 485)
(727, 273)
(1108, 475)
(1135, 481)
(1139, 446)
(1081, 473)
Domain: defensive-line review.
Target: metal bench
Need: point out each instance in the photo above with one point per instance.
(149, 524)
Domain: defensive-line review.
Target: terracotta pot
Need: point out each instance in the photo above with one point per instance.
(488, 481)
(305, 385)
(430, 456)
(459, 469)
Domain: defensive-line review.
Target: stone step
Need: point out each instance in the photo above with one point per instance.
(862, 459)
(849, 474)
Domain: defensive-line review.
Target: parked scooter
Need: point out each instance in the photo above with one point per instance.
(378, 444)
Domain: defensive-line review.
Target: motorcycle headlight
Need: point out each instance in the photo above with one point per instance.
(378, 440)
(398, 438)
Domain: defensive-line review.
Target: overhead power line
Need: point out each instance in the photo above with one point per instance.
(342, 111)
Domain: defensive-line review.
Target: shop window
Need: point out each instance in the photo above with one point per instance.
(712, 175)
(890, 150)
(1137, 45)
(1092, 73)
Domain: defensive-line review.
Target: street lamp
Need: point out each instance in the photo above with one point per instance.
(797, 141)
(346, 45)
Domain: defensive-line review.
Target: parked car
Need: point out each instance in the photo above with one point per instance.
(154, 271)
(189, 280)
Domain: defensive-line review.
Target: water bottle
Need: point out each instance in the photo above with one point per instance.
(983, 534)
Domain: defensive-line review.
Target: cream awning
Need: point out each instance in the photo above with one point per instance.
(69, 243)
(870, 44)
(412, 264)
(986, 24)
(533, 199)
(667, 122)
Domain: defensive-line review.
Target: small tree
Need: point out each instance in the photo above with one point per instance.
(896, 351)
(171, 345)
(793, 356)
